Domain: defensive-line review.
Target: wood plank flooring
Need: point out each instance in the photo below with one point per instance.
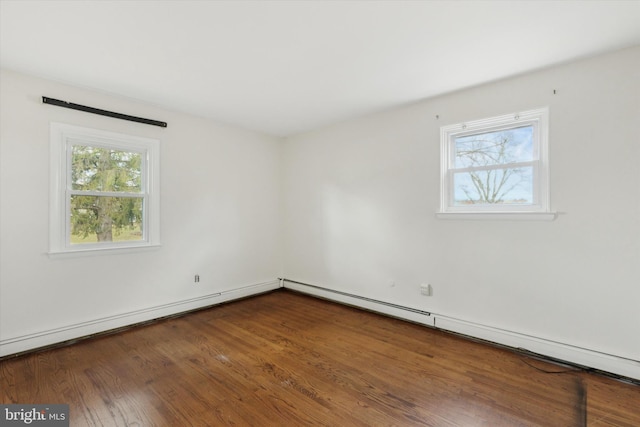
(286, 359)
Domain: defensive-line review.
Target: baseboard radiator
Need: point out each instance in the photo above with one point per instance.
(616, 366)
(70, 332)
(391, 309)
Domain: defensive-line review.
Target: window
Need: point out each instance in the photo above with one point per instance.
(104, 190)
(496, 167)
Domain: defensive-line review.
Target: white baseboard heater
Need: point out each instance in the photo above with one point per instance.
(391, 309)
(616, 366)
(73, 331)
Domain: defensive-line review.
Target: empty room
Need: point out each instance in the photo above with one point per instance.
(339, 213)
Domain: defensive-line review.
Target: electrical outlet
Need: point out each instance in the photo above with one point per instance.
(196, 279)
(426, 289)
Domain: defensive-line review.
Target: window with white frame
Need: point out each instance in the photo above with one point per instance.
(496, 166)
(104, 190)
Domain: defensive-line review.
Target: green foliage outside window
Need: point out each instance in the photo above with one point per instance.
(106, 200)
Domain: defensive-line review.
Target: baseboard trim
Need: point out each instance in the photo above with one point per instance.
(582, 357)
(32, 341)
(587, 358)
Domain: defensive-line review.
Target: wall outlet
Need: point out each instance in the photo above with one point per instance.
(196, 279)
(426, 289)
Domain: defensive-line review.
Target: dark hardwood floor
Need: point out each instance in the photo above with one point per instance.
(285, 359)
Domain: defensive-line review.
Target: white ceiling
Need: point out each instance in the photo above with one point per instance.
(285, 67)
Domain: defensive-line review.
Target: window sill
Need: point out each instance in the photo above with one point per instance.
(101, 251)
(508, 216)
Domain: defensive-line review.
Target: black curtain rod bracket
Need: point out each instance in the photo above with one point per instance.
(71, 105)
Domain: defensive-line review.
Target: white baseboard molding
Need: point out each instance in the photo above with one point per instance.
(564, 352)
(19, 344)
(616, 365)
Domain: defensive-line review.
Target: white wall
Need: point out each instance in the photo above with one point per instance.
(360, 199)
(358, 202)
(220, 191)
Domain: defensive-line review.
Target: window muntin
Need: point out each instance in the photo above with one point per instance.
(496, 165)
(104, 192)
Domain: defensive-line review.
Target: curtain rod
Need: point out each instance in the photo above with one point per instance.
(65, 104)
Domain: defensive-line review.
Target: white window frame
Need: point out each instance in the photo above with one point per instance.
(539, 209)
(62, 138)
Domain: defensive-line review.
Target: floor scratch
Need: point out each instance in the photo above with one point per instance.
(581, 403)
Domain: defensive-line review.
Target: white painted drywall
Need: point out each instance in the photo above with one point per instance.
(360, 199)
(357, 202)
(220, 191)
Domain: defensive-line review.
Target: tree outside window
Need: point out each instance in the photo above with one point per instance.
(98, 216)
(497, 165)
(104, 190)
(494, 167)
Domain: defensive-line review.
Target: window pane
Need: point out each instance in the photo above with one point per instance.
(100, 169)
(494, 148)
(105, 219)
(497, 186)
